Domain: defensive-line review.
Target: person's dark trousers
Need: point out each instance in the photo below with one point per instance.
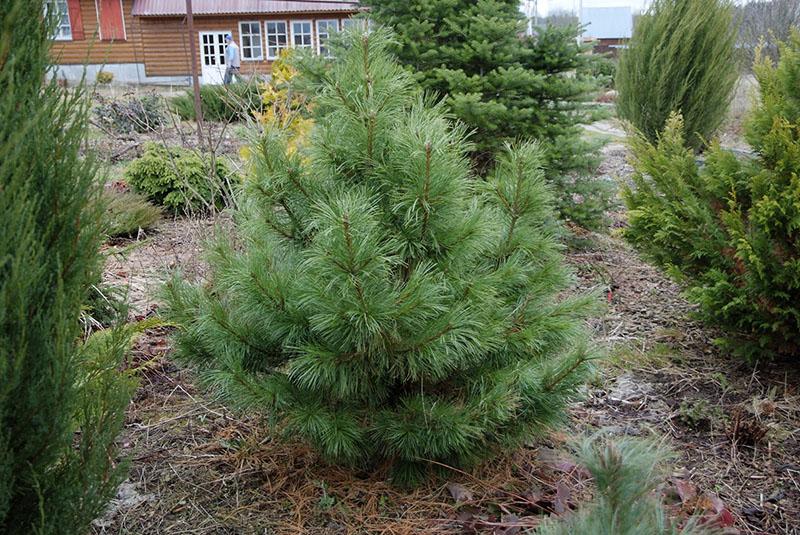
(230, 72)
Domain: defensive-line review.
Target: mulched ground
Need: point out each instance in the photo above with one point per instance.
(197, 468)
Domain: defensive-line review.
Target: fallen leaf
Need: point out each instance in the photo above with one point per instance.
(717, 513)
(459, 492)
(561, 501)
(685, 489)
(512, 525)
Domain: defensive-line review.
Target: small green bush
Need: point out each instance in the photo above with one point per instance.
(584, 200)
(603, 67)
(626, 474)
(234, 102)
(379, 301)
(132, 114)
(681, 58)
(127, 213)
(731, 228)
(180, 179)
(105, 306)
(105, 77)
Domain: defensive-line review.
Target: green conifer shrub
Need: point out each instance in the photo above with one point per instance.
(61, 406)
(506, 86)
(377, 301)
(127, 213)
(730, 229)
(626, 473)
(180, 179)
(222, 103)
(681, 58)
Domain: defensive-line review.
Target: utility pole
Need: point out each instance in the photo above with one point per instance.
(531, 14)
(198, 108)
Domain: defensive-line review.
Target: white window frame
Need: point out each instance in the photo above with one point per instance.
(327, 34)
(242, 48)
(350, 21)
(362, 24)
(286, 28)
(310, 33)
(55, 3)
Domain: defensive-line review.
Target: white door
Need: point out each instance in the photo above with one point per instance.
(212, 56)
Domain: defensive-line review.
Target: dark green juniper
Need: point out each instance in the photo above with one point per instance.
(681, 58)
(62, 403)
(377, 300)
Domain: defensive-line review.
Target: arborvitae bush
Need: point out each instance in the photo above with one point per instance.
(181, 179)
(61, 406)
(681, 58)
(376, 300)
(505, 86)
(730, 229)
(626, 473)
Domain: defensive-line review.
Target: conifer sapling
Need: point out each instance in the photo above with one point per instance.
(381, 303)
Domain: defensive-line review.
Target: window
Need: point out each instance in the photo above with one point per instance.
(358, 23)
(352, 23)
(324, 30)
(60, 11)
(301, 34)
(277, 38)
(250, 35)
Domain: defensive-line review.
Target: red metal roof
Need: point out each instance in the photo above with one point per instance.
(165, 8)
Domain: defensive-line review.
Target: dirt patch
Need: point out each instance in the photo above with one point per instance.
(143, 265)
(736, 427)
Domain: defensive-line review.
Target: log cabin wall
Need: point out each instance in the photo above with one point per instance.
(160, 44)
(91, 48)
(166, 45)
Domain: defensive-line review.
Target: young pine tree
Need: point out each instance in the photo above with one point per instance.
(731, 229)
(505, 86)
(376, 300)
(681, 59)
(626, 474)
(61, 405)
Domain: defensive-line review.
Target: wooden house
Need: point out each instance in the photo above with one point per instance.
(147, 41)
(608, 28)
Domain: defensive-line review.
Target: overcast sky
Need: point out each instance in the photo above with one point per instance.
(572, 5)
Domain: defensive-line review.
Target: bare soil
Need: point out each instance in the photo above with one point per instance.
(195, 467)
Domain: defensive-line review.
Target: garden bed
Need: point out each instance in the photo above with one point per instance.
(198, 468)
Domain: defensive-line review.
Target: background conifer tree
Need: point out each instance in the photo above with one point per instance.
(61, 402)
(387, 308)
(506, 86)
(680, 59)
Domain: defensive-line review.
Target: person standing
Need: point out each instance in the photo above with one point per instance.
(232, 60)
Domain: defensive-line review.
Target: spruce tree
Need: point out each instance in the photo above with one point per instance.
(375, 300)
(506, 86)
(61, 404)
